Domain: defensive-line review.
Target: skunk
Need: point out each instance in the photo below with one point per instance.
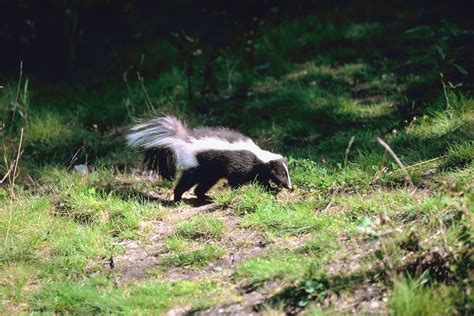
(206, 155)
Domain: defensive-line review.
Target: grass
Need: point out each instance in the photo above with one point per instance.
(150, 297)
(412, 297)
(200, 226)
(193, 258)
(275, 266)
(289, 218)
(351, 223)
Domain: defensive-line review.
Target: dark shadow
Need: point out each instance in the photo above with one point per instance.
(127, 192)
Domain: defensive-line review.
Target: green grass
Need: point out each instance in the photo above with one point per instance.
(91, 297)
(193, 258)
(288, 218)
(412, 297)
(282, 265)
(175, 243)
(200, 227)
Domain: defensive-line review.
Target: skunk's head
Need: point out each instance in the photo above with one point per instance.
(277, 172)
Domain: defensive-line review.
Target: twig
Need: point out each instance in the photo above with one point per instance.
(424, 162)
(7, 174)
(395, 157)
(12, 185)
(15, 175)
(148, 101)
(17, 92)
(443, 237)
(19, 82)
(330, 201)
(348, 149)
(74, 157)
(448, 104)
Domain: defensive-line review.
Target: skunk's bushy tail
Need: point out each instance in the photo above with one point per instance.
(159, 138)
(160, 132)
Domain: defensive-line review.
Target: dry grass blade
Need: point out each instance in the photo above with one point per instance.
(12, 172)
(395, 157)
(348, 149)
(448, 104)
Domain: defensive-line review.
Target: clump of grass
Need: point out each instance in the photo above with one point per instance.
(459, 155)
(201, 226)
(77, 298)
(312, 176)
(245, 199)
(323, 244)
(358, 206)
(283, 265)
(88, 297)
(157, 297)
(81, 201)
(287, 218)
(459, 180)
(175, 243)
(436, 123)
(16, 279)
(44, 232)
(412, 297)
(249, 200)
(224, 197)
(193, 258)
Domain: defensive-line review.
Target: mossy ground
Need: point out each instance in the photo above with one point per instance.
(354, 235)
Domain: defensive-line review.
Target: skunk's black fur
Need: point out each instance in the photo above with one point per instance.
(206, 155)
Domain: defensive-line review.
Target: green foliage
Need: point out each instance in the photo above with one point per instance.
(412, 297)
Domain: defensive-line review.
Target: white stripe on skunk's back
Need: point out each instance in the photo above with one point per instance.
(187, 151)
(170, 132)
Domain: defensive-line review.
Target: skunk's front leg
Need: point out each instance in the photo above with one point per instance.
(188, 179)
(203, 186)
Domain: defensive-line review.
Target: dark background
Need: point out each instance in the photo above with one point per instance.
(89, 41)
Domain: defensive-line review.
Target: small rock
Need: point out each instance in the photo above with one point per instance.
(83, 170)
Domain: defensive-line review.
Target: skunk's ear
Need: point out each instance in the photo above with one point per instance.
(273, 163)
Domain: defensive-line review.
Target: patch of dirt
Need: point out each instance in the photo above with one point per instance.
(238, 244)
(248, 303)
(436, 263)
(362, 299)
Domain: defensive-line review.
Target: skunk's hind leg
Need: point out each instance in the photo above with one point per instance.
(204, 185)
(188, 179)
